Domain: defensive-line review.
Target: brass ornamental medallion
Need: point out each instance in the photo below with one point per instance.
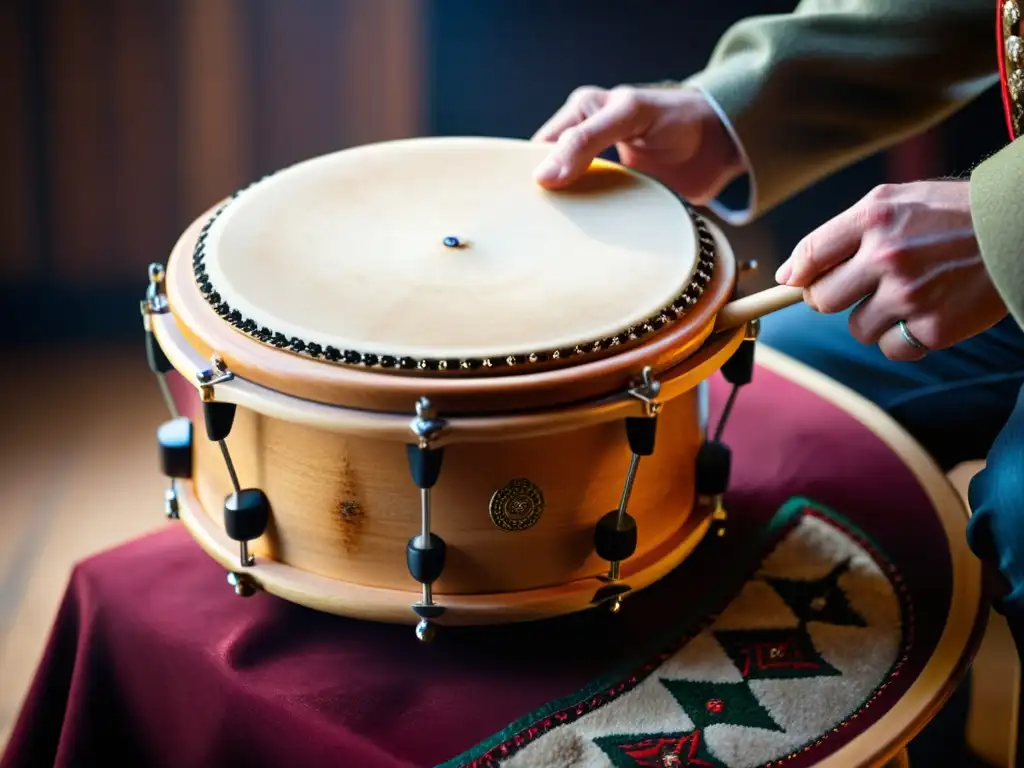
(517, 505)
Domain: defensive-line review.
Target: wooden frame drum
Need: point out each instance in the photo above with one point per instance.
(472, 493)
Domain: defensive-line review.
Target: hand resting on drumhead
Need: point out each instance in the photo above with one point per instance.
(671, 134)
(903, 252)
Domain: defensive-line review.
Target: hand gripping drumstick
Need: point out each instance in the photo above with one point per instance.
(740, 311)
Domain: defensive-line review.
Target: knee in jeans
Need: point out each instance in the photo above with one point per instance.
(995, 532)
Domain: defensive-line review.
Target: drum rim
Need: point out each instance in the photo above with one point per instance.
(458, 427)
(375, 392)
(351, 387)
(515, 362)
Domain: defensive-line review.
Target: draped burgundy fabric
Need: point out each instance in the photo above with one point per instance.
(154, 661)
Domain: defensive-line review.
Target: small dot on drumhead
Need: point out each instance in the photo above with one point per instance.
(452, 242)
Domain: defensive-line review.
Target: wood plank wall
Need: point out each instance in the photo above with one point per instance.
(123, 120)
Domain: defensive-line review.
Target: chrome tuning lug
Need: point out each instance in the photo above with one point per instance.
(174, 439)
(155, 303)
(714, 459)
(738, 370)
(711, 480)
(246, 516)
(156, 292)
(246, 510)
(615, 538)
(425, 553)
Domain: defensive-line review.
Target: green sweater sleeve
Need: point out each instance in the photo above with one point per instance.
(811, 92)
(997, 207)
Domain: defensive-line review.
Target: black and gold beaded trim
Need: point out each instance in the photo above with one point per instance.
(370, 359)
(1013, 56)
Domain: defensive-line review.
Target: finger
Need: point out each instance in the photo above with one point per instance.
(895, 347)
(618, 120)
(833, 242)
(841, 287)
(583, 101)
(872, 318)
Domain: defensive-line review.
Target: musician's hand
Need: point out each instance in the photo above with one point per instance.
(672, 134)
(905, 252)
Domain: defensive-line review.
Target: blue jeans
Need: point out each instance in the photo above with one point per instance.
(961, 404)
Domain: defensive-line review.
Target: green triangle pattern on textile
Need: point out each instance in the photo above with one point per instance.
(774, 654)
(720, 704)
(819, 599)
(765, 653)
(777, 653)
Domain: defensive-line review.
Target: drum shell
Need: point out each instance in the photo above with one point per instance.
(344, 507)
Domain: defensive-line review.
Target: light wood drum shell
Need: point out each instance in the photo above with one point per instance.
(343, 507)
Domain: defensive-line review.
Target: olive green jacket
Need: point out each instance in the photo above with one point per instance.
(808, 93)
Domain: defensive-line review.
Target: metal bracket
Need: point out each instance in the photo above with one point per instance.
(208, 378)
(647, 392)
(155, 302)
(426, 426)
(171, 502)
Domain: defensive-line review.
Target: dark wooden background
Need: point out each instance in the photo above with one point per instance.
(124, 119)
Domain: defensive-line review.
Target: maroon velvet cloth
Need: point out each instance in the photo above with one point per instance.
(153, 661)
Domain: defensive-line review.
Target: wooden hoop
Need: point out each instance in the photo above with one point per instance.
(965, 625)
(684, 377)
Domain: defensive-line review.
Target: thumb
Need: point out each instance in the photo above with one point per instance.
(620, 118)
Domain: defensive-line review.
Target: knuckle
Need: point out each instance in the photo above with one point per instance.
(881, 193)
(876, 214)
(906, 297)
(626, 97)
(585, 94)
(888, 256)
(878, 207)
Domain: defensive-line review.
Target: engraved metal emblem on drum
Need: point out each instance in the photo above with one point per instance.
(517, 505)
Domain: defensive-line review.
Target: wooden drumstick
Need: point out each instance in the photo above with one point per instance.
(740, 311)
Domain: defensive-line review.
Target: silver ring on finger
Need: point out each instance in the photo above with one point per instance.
(910, 338)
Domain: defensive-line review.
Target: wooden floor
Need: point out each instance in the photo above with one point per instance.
(79, 470)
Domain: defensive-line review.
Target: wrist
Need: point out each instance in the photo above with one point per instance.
(717, 144)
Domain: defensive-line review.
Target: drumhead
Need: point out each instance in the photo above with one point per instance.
(443, 255)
